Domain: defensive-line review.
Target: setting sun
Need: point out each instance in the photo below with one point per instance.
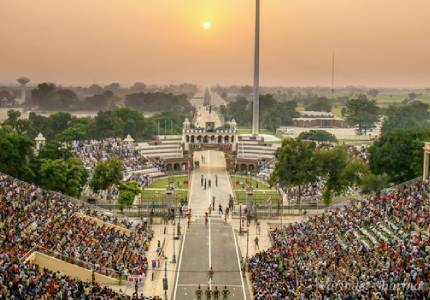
(207, 25)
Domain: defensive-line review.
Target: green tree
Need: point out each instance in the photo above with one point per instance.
(318, 136)
(372, 183)
(54, 149)
(172, 120)
(338, 171)
(107, 124)
(159, 102)
(404, 116)
(47, 96)
(100, 101)
(399, 154)
(320, 104)
(240, 110)
(127, 193)
(16, 153)
(53, 174)
(361, 112)
(12, 118)
(296, 164)
(77, 177)
(106, 174)
(373, 93)
(65, 176)
(74, 132)
(21, 126)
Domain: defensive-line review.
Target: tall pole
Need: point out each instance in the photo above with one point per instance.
(256, 98)
(332, 76)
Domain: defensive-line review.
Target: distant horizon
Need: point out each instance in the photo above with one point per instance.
(376, 43)
(128, 85)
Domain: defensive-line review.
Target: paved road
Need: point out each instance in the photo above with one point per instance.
(203, 115)
(213, 244)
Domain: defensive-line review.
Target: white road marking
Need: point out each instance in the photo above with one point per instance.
(180, 262)
(210, 236)
(238, 262)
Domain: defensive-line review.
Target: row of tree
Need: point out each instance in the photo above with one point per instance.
(56, 167)
(53, 170)
(62, 126)
(273, 113)
(48, 96)
(300, 163)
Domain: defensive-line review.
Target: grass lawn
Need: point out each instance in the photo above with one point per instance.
(237, 181)
(180, 182)
(260, 194)
(159, 195)
(156, 192)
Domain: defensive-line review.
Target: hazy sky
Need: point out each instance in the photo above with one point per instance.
(377, 42)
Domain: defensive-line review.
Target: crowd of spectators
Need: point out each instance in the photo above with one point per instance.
(28, 281)
(377, 248)
(93, 151)
(361, 153)
(34, 219)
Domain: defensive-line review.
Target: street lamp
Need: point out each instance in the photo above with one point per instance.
(136, 290)
(174, 252)
(240, 218)
(165, 283)
(247, 243)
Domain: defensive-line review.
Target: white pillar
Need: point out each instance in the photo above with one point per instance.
(256, 97)
(426, 166)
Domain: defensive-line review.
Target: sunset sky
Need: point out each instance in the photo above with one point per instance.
(377, 42)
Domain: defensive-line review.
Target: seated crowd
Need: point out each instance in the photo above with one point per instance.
(28, 281)
(94, 151)
(374, 249)
(33, 219)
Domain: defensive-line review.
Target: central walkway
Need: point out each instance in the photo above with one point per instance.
(214, 244)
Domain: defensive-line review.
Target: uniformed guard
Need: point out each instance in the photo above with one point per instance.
(199, 293)
(225, 293)
(208, 293)
(215, 293)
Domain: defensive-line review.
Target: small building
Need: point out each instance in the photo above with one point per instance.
(319, 119)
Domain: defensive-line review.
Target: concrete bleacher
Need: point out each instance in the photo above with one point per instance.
(170, 147)
(252, 149)
(74, 271)
(151, 172)
(371, 236)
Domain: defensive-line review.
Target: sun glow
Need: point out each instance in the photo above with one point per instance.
(207, 25)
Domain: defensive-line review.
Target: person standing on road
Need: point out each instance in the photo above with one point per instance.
(205, 184)
(257, 227)
(220, 209)
(216, 180)
(209, 183)
(201, 180)
(208, 293)
(256, 243)
(215, 293)
(211, 273)
(213, 202)
(225, 293)
(199, 293)
(231, 202)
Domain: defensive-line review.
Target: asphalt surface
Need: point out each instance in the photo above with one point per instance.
(213, 244)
